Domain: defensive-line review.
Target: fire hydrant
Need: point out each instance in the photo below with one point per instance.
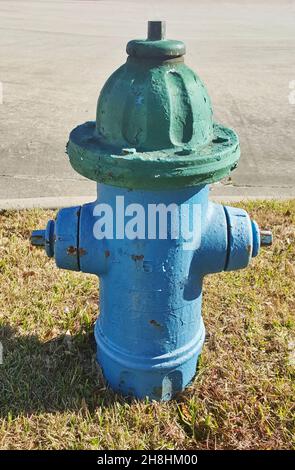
(152, 234)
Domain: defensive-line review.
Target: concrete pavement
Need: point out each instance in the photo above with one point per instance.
(56, 55)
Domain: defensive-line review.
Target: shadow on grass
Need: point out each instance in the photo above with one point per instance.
(56, 375)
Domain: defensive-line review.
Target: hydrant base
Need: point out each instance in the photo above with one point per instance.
(156, 378)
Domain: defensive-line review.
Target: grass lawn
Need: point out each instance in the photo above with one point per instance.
(52, 394)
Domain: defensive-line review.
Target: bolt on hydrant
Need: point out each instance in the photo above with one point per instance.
(152, 234)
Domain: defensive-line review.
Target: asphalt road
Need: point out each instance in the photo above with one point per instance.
(55, 55)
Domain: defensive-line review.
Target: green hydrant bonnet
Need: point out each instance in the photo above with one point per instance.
(154, 126)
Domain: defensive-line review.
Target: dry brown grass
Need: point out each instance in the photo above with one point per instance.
(52, 395)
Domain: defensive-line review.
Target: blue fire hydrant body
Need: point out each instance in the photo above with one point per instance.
(150, 330)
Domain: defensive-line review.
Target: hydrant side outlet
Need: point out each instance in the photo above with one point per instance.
(152, 234)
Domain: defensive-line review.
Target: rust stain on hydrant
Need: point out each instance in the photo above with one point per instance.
(73, 251)
(155, 323)
(137, 257)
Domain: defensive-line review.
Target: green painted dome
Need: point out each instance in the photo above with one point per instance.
(151, 105)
